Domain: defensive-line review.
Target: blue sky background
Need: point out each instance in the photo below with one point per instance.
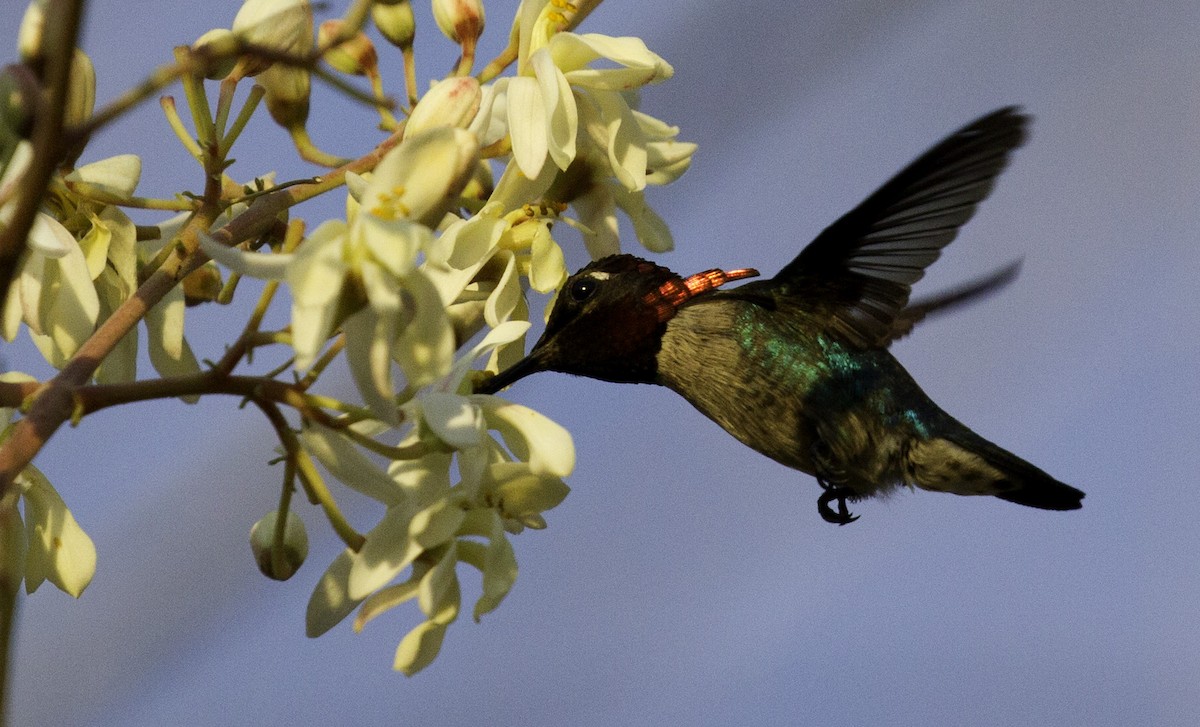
(687, 579)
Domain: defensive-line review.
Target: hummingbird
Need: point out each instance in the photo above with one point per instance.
(797, 366)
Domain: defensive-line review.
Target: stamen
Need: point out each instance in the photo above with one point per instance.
(389, 207)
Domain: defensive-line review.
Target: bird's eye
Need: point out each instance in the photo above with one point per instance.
(581, 289)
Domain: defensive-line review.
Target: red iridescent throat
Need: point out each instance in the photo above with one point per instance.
(673, 293)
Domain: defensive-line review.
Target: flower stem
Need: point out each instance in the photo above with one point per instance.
(11, 528)
(176, 124)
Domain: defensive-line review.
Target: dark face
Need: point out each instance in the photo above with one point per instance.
(604, 325)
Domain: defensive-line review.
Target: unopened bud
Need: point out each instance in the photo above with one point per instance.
(282, 25)
(282, 562)
(450, 102)
(355, 56)
(287, 90)
(202, 285)
(81, 92)
(29, 35)
(461, 20)
(219, 47)
(395, 22)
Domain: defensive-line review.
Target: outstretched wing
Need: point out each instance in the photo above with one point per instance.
(949, 300)
(862, 267)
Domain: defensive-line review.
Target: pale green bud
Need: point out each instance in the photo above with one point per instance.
(219, 44)
(81, 93)
(460, 20)
(395, 22)
(450, 102)
(202, 285)
(33, 26)
(287, 90)
(282, 564)
(355, 56)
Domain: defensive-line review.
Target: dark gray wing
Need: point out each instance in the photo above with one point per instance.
(967, 293)
(861, 269)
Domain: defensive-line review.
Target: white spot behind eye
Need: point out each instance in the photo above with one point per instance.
(599, 275)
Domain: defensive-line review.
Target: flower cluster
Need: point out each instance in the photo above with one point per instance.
(54, 548)
(426, 275)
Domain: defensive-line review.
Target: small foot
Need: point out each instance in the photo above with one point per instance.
(842, 515)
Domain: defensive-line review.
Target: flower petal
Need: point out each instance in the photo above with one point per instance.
(394, 244)
(439, 595)
(385, 554)
(58, 549)
(548, 267)
(425, 348)
(573, 52)
(349, 465)
(529, 435)
(527, 126)
(50, 238)
(265, 266)
(598, 213)
(626, 143)
(422, 177)
(562, 117)
(423, 480)
(169, 351)
(650, 228)
(502, 334)
(330, 601)
(369, 339)
(503, 300)
(453, 418)
(118, 175)
(419, 648)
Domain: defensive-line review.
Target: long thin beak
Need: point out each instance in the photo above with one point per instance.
(512, 374)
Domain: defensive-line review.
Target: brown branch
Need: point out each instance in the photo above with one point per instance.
(58, 49)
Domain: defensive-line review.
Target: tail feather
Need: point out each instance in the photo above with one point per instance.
(967, 464)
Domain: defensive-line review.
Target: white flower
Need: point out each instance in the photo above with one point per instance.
(55, 292)
(58, 550)
(363, 276)
(54, 548)
(557, 91)
(431, 525)
(449, 102)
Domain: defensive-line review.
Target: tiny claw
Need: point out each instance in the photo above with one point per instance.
(842, 516)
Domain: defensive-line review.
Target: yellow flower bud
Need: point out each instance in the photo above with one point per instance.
(461, 20)
(81, 93)
(355, 56)
(279, 564)
(287, 94)
(395, 22)
(29, 36)
(202, 285)
(219, 46)
(450, 102)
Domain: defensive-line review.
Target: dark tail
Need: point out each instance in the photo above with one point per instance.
(967, 464)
